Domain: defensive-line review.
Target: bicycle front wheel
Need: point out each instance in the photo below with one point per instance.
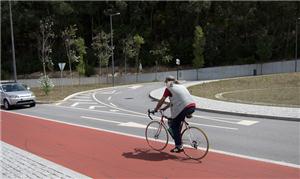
(156, 135)
(195, 143)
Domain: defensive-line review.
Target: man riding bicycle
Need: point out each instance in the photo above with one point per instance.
(182, 105)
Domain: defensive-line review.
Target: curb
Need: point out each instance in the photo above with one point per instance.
(241, 114)
(233, 113)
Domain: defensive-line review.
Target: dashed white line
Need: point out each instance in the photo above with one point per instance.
(135, 87)
(112, 104)
(225, 120)
(109, 98)
(75, 104)
(93, 107)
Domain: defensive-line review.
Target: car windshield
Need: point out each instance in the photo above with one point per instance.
(13, 87)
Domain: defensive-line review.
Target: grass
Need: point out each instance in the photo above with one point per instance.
(59, 93)
(278, 90)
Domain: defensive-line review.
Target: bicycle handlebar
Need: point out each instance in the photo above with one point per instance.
(160, 111)
(149, 112)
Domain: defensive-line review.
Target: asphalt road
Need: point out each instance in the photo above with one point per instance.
(123, 109)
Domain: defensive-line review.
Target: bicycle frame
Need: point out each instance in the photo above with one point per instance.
(162, 122)
(189, 133)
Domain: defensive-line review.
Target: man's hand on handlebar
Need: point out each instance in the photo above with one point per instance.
(152, 111)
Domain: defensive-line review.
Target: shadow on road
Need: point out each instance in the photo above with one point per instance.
(152, 155)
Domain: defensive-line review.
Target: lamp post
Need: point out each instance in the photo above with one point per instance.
(12, 43)
(112, 48)
(296, 48)
(177, 63)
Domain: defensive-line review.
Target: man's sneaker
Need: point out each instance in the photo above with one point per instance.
(176, 150)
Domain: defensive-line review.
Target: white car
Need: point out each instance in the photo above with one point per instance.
(15, 94)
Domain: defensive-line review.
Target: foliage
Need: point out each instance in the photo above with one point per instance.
(161, 53)
(138, 42)
(46, 84)
(69, 38)
(264, 47)
(80, 49)
(199, 42)
(45, 42)
(101, 47)
(234, 30)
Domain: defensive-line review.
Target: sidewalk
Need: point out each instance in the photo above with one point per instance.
(18, 163)
(237, 108)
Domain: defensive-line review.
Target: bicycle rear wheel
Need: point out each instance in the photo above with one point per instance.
(156, 135)
(195, 143)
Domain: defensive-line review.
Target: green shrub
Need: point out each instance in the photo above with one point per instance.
(46, 84)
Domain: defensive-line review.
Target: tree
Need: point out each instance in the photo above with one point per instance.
(264, 47)
(69, 37)
(128, 50)
(138, 42)
(199, 42)
(80, 49)
(161, 54)
(45, 42)
(101, 49)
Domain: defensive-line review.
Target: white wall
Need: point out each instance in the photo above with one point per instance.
(203, 74)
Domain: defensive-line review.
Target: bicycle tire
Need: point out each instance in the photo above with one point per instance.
(195, 143)
(156, 136)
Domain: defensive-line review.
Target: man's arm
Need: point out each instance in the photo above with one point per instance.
(166, 107)
(160, 103)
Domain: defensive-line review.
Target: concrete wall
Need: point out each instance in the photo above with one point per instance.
(201, 74)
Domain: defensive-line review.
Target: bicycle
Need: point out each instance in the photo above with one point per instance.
(194, 140)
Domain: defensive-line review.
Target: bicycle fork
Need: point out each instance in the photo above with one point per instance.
(193, 143)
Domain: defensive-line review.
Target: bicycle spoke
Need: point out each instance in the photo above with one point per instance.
(195, 143)
(156, 135)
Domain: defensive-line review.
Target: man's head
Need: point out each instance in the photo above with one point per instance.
(169, 78)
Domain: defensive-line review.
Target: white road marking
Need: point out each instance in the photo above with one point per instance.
(75, 104)
(83, 100)
(82, 97)
(93, 107)
(109, 98)
(247, 122)
(99, 119)
(142, 137)
(94, 97)
(135, 87)
(225, 120)
(133, 124)
(108, 92)
(206, 125)
(114, 110)
(112, 104)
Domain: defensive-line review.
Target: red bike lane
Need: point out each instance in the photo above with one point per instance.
(101, 154)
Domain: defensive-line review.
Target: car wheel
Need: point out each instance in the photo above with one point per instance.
(32, 105)
(6, 105)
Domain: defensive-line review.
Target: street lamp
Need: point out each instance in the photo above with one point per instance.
(177, 63)
(12, 43)
(112, 47)
(296, 48)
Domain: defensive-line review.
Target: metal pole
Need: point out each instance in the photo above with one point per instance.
(112, 51)
(177, 72)
(12, 43)
(296, 48)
